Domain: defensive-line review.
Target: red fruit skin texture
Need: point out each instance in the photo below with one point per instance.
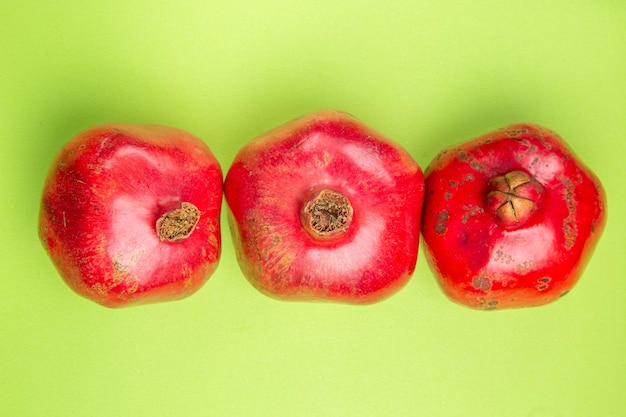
(484, 264)
(273, 176)
(102, 198)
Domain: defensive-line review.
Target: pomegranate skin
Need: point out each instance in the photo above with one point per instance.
(102, 202)
(323, 208)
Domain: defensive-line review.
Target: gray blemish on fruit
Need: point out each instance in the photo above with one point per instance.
(441, 225)
(481, 283)
(471, 210)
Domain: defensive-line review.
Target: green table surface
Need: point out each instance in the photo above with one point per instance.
(427, 74)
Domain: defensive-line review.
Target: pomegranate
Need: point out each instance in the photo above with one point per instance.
(130, 214)
(511, 218)
(325, 208)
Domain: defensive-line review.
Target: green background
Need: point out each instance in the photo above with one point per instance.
(427, 74)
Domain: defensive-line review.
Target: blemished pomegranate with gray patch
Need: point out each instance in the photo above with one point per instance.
(510, 218)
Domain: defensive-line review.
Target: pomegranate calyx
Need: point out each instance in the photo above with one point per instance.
(327, 214)
(514, 198)
(177, 225)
